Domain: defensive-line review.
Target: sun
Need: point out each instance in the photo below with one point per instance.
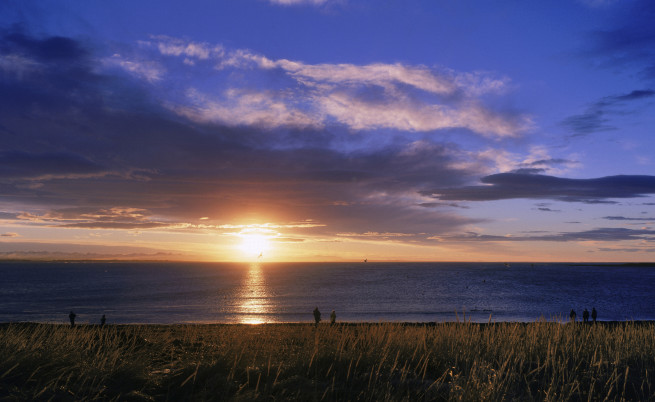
(254, 244)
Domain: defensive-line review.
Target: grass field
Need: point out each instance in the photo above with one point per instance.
(449, 361)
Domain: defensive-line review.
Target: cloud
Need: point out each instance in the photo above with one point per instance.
(626, 250)
(93, 148)
(362, 97)
(537, 161)
(442, 204)
(109, 218)
(405, 115)
(9, 234)
(390, 76)
(300, 2)
(634, 95)
(598, 3)
(148, 70)
(189, 49)
(24, 165)
(630, 43)
(72, 251)
(545, 207)
(598, 115)
(599, 234)
(538, 166)
(623, 218)
(50, 49)
(246, 108)
(530, 186)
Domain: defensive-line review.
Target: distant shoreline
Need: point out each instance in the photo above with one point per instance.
(610, 323)
(584, 263)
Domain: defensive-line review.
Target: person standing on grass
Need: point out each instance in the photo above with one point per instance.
(103, 319)
(317, 316)
(594, 314)
(71, 317)
(585, 316)
(333, 317)
(572, 315)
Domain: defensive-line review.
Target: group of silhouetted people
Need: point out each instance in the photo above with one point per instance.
(585, 315)
(317, 316)
(72, 316)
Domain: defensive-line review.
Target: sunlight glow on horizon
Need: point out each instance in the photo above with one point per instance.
(255, 243)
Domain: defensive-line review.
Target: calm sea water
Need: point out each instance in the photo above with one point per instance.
(270, 292)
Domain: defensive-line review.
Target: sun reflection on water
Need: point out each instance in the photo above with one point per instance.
(254, 297)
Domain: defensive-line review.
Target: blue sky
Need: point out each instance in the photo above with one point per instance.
(327, 130)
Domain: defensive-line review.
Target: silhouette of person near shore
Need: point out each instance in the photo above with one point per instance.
(333, 317)
(103, 320)
(594, 314)
(572, 315)
(71, 317)
(585, 316)
(317, 316)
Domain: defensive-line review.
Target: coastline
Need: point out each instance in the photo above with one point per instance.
(606, 323)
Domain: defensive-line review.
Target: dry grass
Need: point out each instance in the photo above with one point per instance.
(451, 361)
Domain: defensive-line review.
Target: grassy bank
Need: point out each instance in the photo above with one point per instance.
(451, 361)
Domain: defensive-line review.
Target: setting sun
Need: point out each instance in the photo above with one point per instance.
(254, 244)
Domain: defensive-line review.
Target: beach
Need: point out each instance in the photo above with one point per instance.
(542, 360)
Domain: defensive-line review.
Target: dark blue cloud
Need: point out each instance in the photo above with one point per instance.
(542, 165)
(599, 234)
(529, 186)
(630, 42)
(598, 115)
(50, 49)
(636, 94)
(623, 218)
(23, 165)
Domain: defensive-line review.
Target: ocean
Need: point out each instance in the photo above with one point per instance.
(175, 292)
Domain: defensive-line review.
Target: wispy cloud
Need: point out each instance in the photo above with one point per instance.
(623, 218)
(148, 70)
(537, 161)
(73, 251)
(597, 117)
(301, 2)
(189, 49)
(246, 108)
(361, 97)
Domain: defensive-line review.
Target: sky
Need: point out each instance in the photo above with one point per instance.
(327, 130)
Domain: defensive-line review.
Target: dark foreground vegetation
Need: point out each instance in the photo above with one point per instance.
(450, 361)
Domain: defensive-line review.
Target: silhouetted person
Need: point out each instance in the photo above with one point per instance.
(317, 316)
(594, 314)
(585, 315)
(71, 317)
(333, 317)
(572, 315)
(103, 320)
